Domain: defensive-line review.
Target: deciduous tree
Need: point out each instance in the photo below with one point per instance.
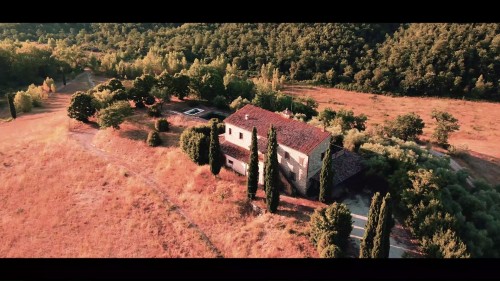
(446, 124)
(81, 107)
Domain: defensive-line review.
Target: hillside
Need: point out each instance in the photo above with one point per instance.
(453, 60)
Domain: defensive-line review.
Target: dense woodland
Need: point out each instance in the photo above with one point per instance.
(452, 60)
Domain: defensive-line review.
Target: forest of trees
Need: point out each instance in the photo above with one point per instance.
(452, 60)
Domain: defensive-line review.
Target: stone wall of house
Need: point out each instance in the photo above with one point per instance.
(315, 160)
(237, 165)
(296, 163)
(302, 165)
(232, 135)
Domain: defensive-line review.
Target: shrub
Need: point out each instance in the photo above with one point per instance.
(347, 120)
(406, 127)
(162, 94)
(115, 84)
(238, 103)
(220, 102)
(154, 111)
(114, 115)
(354, 139)
(153, 139)
(162, 125)
(81, 107)
(331, 252)
(119, 95)
(49, 85)
(195, 142)
(444, 244)
(37, 95)
(335, 222)
(104, 98)
(149, 100)
(23, 102)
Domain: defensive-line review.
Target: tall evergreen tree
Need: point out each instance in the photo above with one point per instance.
(214, 151)
(272, 180)
(12, 107)
(381, 241)
(63, 76)
(326, 175)
(253, 166)
(366, 245)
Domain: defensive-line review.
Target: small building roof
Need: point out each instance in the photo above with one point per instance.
(345, 165)
(292, 133)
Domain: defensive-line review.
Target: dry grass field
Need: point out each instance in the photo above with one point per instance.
(70, 190)
(478, 120)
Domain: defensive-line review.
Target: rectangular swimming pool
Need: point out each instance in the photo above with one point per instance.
(193, 111)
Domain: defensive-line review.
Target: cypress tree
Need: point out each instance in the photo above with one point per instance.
(253, 166)
(272, 172)
(214, 151)
(366, 245)
(326, 175)
(381, 241)
(10, 99)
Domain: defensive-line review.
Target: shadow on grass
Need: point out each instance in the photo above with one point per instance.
(172, 137)
(299, 212)
(481, 166)
(134, 134)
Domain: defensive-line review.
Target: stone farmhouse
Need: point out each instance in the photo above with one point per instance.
(301, 148)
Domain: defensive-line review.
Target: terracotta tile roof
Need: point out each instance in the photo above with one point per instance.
(262, 145)
(235, 151)
(292, 133)
(345, 165)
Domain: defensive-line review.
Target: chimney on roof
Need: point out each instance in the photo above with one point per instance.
(287, 113)
(246, 116)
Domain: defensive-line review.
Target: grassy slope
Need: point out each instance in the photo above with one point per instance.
(69, 190)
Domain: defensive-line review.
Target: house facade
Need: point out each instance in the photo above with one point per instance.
(301, 147)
